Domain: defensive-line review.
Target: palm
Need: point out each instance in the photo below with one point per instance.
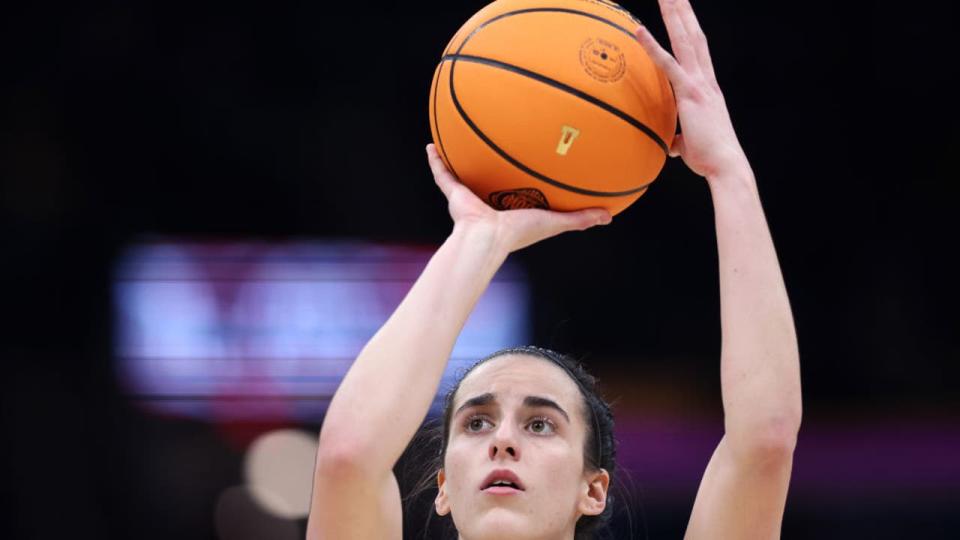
(709, 141)
(464, 205)
(517, 228)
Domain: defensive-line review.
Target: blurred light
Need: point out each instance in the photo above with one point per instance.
(237, 516)
(279, 472)
(253, 331)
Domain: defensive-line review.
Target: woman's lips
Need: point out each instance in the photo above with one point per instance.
(502, 477)
(502, 490)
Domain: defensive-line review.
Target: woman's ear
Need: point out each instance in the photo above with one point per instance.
(441, 504)
(593, 499)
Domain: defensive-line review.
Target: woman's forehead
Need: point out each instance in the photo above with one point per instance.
(513, 377)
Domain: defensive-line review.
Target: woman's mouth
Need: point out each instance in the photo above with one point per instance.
(502, 490)
(502, 482)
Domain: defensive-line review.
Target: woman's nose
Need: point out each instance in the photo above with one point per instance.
(504, 444)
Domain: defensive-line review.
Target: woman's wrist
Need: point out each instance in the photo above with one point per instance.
(735, 175)
(482, 239)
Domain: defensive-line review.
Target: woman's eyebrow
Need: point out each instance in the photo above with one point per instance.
(477, 401)
(537, 401)
(529, 401)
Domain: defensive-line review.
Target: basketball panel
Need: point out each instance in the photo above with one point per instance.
(600, 8)
(586, 54)
(438, 75)
(554, 132)
(486, 173)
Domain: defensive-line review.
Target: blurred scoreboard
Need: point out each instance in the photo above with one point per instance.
(233, 331)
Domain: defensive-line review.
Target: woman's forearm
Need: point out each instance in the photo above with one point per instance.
(760, 369)
(386, 394)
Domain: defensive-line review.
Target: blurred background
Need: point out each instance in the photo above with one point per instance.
(208, 208)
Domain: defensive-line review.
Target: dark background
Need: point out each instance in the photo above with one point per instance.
(299, 120)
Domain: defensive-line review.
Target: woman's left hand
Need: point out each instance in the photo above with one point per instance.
(708, 143)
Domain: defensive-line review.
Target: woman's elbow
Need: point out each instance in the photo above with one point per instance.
(774, 441)
(770, 441)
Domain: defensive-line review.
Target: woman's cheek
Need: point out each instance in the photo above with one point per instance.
(457, 469)
(562, 466)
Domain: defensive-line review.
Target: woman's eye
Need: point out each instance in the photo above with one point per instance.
(476, 423)
(541, 425)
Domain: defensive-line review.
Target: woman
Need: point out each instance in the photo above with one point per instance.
(524, 454)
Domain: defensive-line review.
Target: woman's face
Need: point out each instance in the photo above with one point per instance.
(525, 415)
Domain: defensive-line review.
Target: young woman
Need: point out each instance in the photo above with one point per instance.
(527, 449)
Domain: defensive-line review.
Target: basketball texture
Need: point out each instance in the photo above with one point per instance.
(552, 104)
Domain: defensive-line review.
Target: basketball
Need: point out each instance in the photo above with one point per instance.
(552, 104)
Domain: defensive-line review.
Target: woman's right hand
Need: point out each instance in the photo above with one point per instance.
(511, 229)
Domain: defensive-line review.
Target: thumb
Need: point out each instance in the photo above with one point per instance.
(579, 220)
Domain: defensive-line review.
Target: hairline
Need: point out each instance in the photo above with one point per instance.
(581, 391)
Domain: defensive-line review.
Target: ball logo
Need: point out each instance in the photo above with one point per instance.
(515, 199)
(602, 60)
(568, 134)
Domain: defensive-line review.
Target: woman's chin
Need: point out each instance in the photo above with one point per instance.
(500, 522)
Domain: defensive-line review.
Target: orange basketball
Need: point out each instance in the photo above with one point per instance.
(552, 104)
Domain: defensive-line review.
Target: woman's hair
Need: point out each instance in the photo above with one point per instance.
(600, 447)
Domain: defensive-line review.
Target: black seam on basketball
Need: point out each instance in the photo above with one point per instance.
(436, 122)
(500, 151)
(565, 88)
(621, 10)
(547, 10)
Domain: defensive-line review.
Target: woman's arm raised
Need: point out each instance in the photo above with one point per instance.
(387, 392)
(744, 488)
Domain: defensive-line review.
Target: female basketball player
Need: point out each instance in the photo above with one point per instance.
(527, 443)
